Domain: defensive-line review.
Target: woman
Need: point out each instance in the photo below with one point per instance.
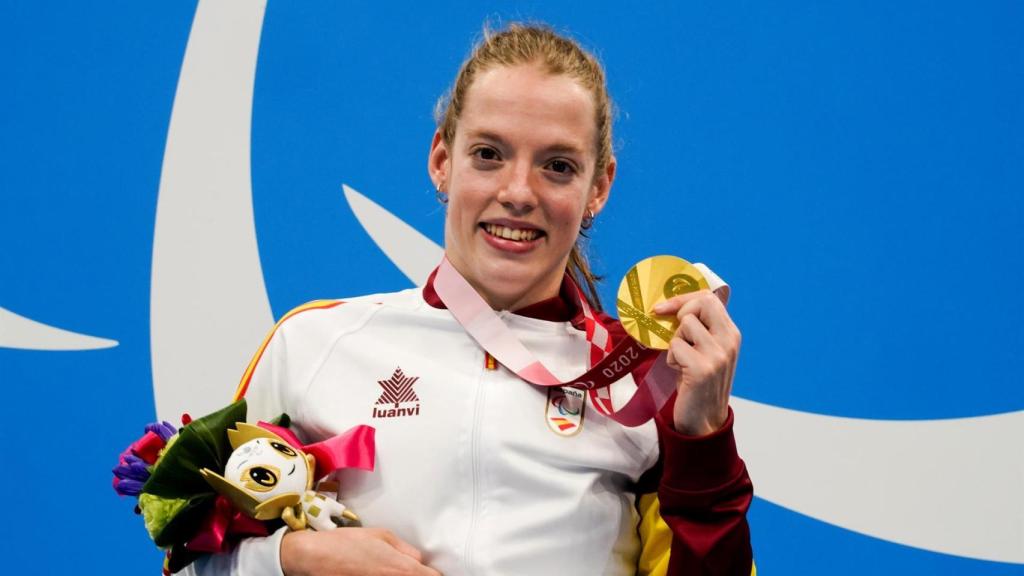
(470, 477)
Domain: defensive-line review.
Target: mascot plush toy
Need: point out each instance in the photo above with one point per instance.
(202, 488)
(268, 478)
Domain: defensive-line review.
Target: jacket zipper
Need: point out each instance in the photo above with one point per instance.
(474, 458)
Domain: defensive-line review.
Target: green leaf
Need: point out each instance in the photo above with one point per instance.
(284, 421)
(183, 526)
(203, 443)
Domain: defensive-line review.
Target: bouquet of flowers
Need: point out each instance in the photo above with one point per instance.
(216, 480)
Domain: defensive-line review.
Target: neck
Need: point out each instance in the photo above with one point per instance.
(512, 293)
(516, 300)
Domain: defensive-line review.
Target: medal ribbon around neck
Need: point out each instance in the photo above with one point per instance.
(607, 364)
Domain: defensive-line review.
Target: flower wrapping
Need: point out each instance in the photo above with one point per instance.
(168, 470)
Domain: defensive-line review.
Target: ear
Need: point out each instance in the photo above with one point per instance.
(439, 161)
(602, 187)
(274, 507)
(240, 498)
(244, 432)
(310, 470)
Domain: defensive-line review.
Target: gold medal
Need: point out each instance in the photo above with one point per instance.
(649, 282)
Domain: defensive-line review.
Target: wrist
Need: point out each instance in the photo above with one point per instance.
(693, 463)
(293, 550)
(698, 423)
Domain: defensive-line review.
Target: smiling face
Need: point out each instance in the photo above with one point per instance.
(265, 468)
(519, 175)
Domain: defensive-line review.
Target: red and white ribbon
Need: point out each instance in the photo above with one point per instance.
(607, 364)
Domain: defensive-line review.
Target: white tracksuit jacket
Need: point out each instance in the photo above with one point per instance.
(468, 470)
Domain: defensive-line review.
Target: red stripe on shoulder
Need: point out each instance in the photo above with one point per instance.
(243, 385)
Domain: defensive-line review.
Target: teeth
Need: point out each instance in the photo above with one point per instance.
(511, 233)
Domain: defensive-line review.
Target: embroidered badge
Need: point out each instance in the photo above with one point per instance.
(565, 410)
(398, 398)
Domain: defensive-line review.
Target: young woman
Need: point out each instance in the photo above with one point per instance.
(470, 478)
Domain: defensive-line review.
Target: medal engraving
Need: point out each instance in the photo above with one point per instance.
(649, 282)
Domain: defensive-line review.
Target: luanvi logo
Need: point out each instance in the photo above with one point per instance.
(398, 394)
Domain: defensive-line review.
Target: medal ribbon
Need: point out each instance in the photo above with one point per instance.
(606, 364)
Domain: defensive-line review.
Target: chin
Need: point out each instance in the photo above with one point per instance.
(510, 283)
(514, 273)
(507, 284)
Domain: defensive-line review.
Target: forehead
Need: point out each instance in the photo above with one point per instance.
(531, 106)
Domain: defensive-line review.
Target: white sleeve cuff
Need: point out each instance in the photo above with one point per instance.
(260, 556)
(255, 556)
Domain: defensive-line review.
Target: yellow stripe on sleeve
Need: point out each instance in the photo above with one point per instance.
(656, 539)
(243, 385)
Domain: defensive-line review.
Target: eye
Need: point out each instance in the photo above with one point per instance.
(486, 153)
(260, 478)
(283, 449)
(562, 167)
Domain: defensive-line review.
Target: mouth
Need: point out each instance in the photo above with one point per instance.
(511, 233)
(293, 470)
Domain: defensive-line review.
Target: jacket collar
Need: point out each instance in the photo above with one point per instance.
(561, 308)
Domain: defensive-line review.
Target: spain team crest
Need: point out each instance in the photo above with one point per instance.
(565, 409)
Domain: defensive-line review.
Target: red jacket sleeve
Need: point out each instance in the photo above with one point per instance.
(705, 493)
(703, 490)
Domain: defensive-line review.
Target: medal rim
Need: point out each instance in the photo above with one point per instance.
(660, 268)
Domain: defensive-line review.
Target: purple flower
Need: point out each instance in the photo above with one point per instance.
(162, 429)
(132, 468)
(128, 487)
(133, 465)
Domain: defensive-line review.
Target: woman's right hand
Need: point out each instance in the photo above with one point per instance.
(356, 551)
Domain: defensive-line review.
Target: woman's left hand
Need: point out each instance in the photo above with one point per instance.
(704, 351)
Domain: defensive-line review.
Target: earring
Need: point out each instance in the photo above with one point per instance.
(588, 220)
(442, 197)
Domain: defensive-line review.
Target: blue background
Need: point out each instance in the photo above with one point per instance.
(855, 171)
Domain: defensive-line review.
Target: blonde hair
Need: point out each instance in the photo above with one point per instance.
(527, 44)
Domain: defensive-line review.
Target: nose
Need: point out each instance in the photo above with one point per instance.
(517, 192)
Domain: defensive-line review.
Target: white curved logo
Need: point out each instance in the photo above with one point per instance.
(208, 303)
(412, 252)
(17, 331)
(952, 486)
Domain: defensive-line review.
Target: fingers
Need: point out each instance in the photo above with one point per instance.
(416, 567)
(407, 549)
(702, 304)
(692, 339)
(683, 354)
(350, 551)
(709, 310)
(694, 332)
(671, 305)
(410, 562)
(399, 544)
